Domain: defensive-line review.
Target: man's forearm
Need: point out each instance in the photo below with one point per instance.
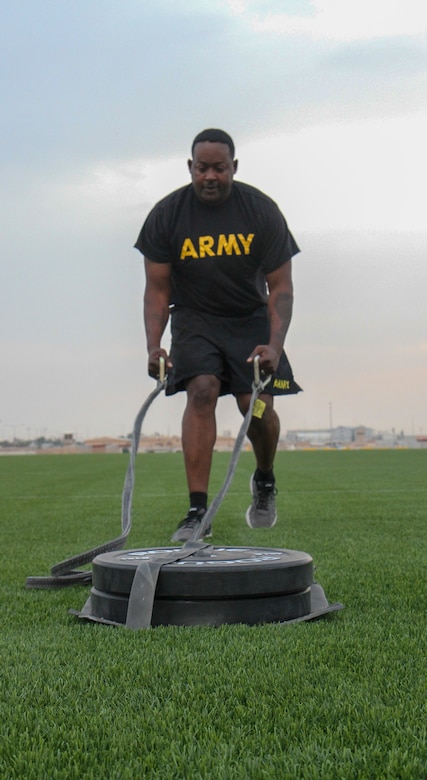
(280, 306)
(156, 302)
(156, 316)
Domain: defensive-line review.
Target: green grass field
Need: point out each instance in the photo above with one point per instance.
(341, 697)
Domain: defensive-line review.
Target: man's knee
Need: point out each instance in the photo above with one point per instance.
(203, 392)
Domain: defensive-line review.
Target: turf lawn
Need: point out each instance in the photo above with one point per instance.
(341, 697)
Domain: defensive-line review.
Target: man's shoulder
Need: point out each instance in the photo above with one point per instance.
(174, 198)
(249, 192)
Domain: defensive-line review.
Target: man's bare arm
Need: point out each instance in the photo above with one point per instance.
(280, 304)
(156, 311)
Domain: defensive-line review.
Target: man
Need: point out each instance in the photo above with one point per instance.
(218, 261)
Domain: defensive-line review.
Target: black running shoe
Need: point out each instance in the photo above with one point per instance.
(262, 512)
(188, 528)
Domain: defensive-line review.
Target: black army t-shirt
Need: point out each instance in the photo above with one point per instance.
(219, 254)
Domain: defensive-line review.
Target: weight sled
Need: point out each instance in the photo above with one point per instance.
(210, 586)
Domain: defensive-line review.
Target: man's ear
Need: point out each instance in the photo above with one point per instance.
(235, 165)
(189, 163)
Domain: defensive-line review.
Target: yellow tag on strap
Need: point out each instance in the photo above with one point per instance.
(259, 408)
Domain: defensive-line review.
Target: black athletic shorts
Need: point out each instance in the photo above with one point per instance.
(207, 344)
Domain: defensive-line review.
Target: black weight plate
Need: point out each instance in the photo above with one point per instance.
(180, 612)
(215, 573)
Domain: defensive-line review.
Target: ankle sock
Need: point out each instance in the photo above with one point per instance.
(198, 500)
(264, 476)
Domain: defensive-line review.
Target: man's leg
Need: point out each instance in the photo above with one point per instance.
(263, 433)
(199, 430)
(198, 439)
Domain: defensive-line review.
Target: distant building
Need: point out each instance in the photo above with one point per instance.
(342, 436)
(309, 438)
(107, 444)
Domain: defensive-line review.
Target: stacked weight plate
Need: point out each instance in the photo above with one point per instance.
(216, 585)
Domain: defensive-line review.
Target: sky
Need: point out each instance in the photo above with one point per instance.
(327, 104)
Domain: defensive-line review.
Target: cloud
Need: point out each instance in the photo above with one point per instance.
(365, 175)
(146, 77)
(335, 20)
(387, 59)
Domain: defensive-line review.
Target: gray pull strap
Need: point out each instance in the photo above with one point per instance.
(143, 591)
(64, 573)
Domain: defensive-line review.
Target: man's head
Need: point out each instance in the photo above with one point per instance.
(213, 166)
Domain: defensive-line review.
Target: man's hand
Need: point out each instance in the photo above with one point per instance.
(153, 361)
(268, 358)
